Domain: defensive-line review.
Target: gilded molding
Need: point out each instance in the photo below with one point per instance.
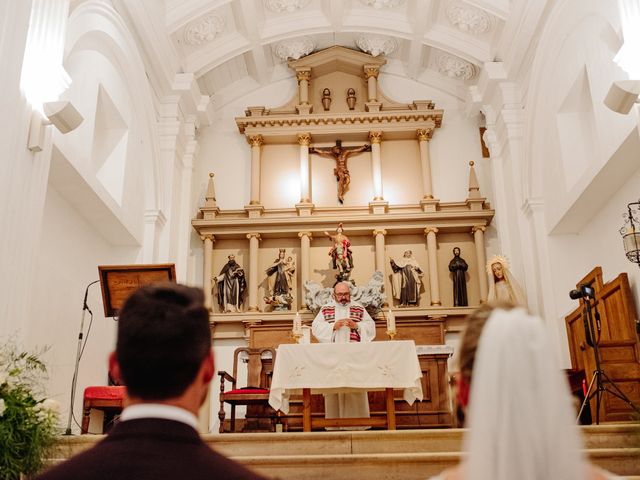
(424, 134)
(479, 228)
(379, 231)
(370, 71)
(305, 234)
(252, 235)
(303, 75)
(375, 137)
(429, 230)
(256, 141)
(273, 122)
(208, 237)
(304, 139)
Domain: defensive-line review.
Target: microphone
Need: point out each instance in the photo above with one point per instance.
(582, 291)
(575, 294)
(85, 306)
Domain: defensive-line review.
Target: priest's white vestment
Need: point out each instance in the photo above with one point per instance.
(344, 405)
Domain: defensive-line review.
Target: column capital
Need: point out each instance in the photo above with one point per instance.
(208, 236)
(253, 235)
(256, 140)
(303, 75)
(429, 230)
(304, 139)
(377, 231)
(424, 134)
(375, 137)
(371, 71)
(305, 234)
(478, 228)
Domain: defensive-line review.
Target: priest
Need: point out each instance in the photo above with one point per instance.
(344, 321)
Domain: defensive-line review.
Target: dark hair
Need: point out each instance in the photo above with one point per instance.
(163, 336)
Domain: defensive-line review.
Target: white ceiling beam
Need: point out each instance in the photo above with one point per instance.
(420, 14)
(247, 19)
(147, 24)
(336, 14)
(180, 12)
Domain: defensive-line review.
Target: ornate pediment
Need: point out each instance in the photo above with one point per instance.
(339, 97)
(336, 59)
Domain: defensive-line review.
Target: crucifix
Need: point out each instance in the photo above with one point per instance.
(340, 154)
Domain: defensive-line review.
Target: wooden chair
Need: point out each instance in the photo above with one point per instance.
(106, 399)
(256, 394)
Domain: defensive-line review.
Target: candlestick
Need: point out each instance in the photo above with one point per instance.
(297, 325)
(391, 322)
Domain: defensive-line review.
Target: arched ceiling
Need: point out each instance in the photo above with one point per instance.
(235, 46)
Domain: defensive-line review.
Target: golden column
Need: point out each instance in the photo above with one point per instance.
(207, 274)
(254, 238)
(376, 164)
(379, 234)
(305, 257)
(256, 142)
(424, 135)
(371, 75)
(432, 247)
(481, 259)
(304, 140)
(303, 76)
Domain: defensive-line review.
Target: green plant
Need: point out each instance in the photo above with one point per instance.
(28, 420)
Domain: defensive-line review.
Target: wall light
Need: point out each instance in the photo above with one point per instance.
(631, 233)
(63, 115)
(623, 95)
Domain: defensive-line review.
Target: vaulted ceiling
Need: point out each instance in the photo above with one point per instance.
(235, 46)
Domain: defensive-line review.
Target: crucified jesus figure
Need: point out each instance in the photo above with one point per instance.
(340, 154)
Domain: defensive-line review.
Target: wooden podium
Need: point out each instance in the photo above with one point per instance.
(119, 281)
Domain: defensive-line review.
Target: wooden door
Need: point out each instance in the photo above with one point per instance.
(618, 344)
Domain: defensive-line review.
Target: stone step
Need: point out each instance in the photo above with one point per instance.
(405, 466)
(611, 435)
(390, 455)
(408, 441)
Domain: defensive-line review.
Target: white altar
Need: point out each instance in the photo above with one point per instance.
(348, 367)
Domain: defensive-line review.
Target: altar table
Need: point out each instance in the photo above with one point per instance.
(345, 367)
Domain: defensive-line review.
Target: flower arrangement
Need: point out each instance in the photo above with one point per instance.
(28, 420)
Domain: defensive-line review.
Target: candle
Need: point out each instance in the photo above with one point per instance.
(297, 324)
(391, 322)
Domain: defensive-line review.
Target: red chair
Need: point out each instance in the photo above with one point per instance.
(256, 395)
(106, 399)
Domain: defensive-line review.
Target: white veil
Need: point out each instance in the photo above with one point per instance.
(520, 418)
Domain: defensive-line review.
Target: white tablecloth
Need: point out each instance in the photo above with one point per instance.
(345, 367)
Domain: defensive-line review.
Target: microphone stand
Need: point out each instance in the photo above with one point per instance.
(74, 382)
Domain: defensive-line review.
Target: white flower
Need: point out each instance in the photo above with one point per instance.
(51, 405)
(2, 407)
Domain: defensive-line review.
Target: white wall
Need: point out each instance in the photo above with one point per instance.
(581, 159)
(67, 210)
(69, 252)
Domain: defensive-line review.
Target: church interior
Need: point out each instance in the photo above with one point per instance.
(438, 136)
